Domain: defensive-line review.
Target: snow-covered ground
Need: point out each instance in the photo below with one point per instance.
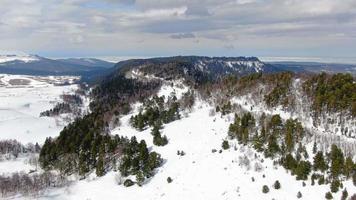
(200, 173)
(22, 99)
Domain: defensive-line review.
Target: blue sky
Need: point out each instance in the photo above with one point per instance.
(322, 29)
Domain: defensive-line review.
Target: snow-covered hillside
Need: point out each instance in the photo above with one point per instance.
(23, 98)
(205, 171)
(201, 173)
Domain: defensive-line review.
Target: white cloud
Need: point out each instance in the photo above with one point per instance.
(121, 26)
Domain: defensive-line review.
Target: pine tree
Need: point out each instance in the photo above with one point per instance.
(277, 185)
(349, 167)
(328, 195)
(315, 148)
(100, 162)
(337, 161)
(140, 178)
(225, 145)
(319, 162)
(344, 195)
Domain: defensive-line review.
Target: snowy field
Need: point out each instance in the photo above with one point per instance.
(22, 99)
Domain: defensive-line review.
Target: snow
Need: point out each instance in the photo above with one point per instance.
(21, 105)
(177, 87)
(200, 173)
(24, 58)
(20, 164)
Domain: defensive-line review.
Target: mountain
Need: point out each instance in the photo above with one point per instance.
(89, 62)
(204, 128)
(315, 67)
(37, 65)
(198, 68)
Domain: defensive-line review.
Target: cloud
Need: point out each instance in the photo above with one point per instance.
(252, 26)
(182, 36)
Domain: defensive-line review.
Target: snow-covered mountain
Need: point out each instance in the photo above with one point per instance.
(36, 65)
(19, 58)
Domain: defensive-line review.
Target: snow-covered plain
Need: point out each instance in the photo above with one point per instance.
(22, 99)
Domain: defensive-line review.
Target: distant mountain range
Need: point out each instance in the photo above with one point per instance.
(207, 67)
(315, 67)
(37, 65)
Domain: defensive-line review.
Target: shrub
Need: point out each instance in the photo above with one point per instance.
(344, 195)
(277, 185)
(225, 145)
(265, 189)
(128, 183)
(328, 195)
(299, 195)
(334, 186)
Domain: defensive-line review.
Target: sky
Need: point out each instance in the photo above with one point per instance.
(315, 29)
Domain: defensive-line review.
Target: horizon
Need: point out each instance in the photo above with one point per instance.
(317, 30)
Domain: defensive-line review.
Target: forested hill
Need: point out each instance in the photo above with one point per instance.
(272, 111)
(196, 68)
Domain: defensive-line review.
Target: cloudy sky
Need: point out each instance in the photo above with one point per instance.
(265, 28)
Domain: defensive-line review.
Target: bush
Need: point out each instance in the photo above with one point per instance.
(277, 185)
(328, 195)
(169, 180)
(299, 195)
(128, 183)
(225, 145)
(334, 186)
(344, 195)
(265, 189)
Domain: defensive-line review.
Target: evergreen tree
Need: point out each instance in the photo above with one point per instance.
(319, 162)
(140, 178)
(349, 167)
(344, 195)
(100, 162)
(328, 195)
(337, 161)
(315, 148)
(265, 189)
(225, 145)
(277, 185)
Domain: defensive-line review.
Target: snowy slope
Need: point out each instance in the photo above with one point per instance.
(200, 173)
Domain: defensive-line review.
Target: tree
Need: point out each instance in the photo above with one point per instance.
(349, 167)
(100, 162)
(328, 195)
(319, 162)
(277, 185)
(140, 178)
(265, 189)
(225, 145)
(169, 180)
(303, 169)
(315, 148)
(344, 195)
(334, 186)
(299, 195)
(337, 161)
